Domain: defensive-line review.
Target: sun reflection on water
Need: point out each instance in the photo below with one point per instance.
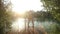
(18, 25)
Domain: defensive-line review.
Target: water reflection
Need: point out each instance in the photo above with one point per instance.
(19, 25)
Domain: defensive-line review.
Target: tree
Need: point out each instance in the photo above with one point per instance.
(53, 7)
(5, 17)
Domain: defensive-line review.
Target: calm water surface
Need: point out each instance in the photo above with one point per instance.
(19, 23)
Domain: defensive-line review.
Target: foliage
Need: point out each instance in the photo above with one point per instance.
(53, 7)
(5, 17)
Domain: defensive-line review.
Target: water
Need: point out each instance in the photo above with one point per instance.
(19, 24)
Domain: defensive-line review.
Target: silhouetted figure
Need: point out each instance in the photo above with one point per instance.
(30, 20)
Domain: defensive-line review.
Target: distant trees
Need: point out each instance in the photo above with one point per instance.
(39, 15)
(43, 16)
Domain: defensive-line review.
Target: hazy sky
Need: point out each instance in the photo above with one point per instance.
(24, 5)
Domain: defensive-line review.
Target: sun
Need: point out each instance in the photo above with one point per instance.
(21, 6)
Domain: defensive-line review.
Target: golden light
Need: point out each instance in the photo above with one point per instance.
(21, 6)
(18, 24)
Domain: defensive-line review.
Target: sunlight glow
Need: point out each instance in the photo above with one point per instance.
(18, 25)
(21, 6)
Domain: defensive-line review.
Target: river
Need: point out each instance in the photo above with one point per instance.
(19, 23)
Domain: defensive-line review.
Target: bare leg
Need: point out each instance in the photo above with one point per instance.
(33, 25)
(25, 25)
(28, 25)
